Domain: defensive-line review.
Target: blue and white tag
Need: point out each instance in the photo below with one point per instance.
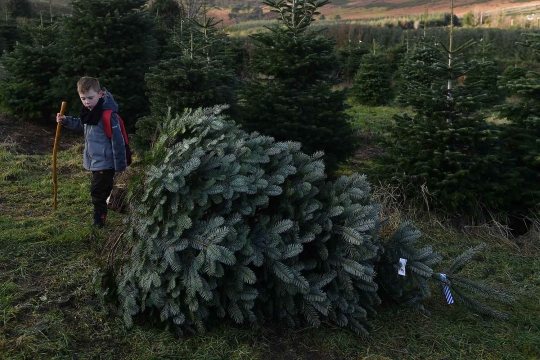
(401, 266)
(446, 290)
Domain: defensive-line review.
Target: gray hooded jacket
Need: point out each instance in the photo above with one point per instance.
(100, 152)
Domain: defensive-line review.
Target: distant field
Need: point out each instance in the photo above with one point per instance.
(372, 9)
(360, 8)
(369, 9)
(58, 6)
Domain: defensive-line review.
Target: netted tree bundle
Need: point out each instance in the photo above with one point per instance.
(231, 224)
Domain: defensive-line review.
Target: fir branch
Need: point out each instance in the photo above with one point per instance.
(481, 289)
(459, 262)
(476, 305)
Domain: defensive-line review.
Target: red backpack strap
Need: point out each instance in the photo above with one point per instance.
(106, 120)
(122, 127)
(107, 126)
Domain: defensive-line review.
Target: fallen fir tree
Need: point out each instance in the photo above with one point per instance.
(235, 225)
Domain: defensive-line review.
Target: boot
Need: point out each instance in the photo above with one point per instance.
(99, 219)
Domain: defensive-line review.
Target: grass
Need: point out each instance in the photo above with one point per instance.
(368, 122)
(49, 308)
(373, 119)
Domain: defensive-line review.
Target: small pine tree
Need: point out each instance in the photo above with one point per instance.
(396, 56)
(349, 59)
(25, 89)
(168, 12)
(167, 15)
(447, 150)
(486, 73)
(373, 80)
(468, 19)
(411, 73)
(510, 74)
(10, 33)
(195, 73)
(111, 40)
(520, 144)
(291, 96)
(19, 8)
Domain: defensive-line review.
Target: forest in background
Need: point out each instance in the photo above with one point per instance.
(223, 68)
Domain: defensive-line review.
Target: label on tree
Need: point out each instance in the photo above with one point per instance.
(446, 290)
(401, 267)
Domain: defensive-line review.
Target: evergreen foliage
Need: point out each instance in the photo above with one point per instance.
(461, 287)
(446, 152)
(167, 12)
(486, 73)
(520, 138)
(350, 58)
(235, 225)
(25, 90)
(111, 40)
(167, 15)
(511, 73)
(195, 72)
(406, 290)
(411, 73)
(9, 35)
(291, 96)
(19, 8)
(396, 56)
(373, 81)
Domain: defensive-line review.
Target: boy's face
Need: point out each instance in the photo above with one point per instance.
(90, 98)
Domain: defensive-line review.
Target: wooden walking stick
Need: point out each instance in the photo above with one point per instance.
(57, 137)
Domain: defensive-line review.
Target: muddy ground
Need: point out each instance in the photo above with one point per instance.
(33, 138)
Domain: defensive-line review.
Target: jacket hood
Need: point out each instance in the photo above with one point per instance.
(108, 101)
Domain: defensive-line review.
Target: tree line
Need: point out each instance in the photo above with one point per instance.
(158, 61)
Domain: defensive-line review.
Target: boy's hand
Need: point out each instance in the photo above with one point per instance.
(60, 118)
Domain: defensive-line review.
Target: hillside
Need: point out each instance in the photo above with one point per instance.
(56, 6)
(352, 9)
(380, 8)
(370, 9)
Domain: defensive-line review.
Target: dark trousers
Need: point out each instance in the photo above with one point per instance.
(100, 189)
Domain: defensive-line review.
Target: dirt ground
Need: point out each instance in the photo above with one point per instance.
(34, 138)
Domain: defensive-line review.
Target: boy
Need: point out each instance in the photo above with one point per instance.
(102, 155)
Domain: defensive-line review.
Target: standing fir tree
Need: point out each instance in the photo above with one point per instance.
(411, 73)
(196, 72)
(9, 33)
(19, 8)
(373, 80)
(520, 138)
(167, 12)
(486, 73)
(25, 89)
(349, 59)
(111, 40)
(510, 74)
(446, 153)
(291, 96)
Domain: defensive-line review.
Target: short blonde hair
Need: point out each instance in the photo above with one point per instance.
(87, 83)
